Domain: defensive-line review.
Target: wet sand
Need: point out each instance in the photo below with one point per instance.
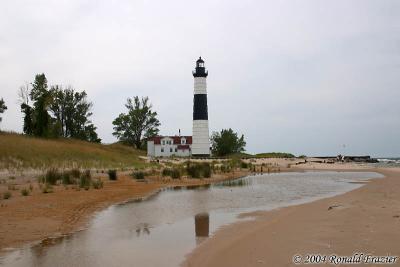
(25, 219)
(366, 220)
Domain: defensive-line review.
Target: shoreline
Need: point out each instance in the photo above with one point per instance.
(364, 220)
(29, 220)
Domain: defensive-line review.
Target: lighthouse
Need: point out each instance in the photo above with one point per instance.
(201, 138)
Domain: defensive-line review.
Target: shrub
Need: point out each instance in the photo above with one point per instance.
(25, 192)
(66, 178)
(75, 173)
(6, 195)
(97, 184)
(206, 170)
(112, 175)
(52, 176)
(198, 170)
(225, 168)
(166, 172)
(175, 173)
(85, 180)
(138, 175)
(243, 165)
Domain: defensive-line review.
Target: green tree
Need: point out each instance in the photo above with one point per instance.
(3, 108)
(138, 124)
(227, 142)
(41, 98)
(71, 111)
(56, 112)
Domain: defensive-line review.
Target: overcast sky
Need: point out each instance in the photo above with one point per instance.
(306, 77)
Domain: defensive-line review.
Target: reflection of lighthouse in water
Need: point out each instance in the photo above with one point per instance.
(202, 226)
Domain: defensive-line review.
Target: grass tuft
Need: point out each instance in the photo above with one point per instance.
(24, 192)
(138, 175)
(112, 175)
(6, 195)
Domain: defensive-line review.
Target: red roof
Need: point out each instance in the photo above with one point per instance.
(177, 139)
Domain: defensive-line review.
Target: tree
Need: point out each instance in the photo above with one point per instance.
(227, 142)
(71, 112)
(3, 108)
(41, 98)
(56, 112)
(24, 95)
(139, 123)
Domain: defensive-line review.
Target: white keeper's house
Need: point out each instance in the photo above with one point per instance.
(166, 146)
(197, 145)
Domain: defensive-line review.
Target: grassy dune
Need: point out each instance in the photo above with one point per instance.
(19, 152)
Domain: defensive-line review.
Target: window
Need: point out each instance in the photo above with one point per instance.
(183, 141)
(162, 150)
(170, 150)
(176, 150)
(163, 142)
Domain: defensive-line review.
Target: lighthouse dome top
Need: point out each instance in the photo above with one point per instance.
(200, 70)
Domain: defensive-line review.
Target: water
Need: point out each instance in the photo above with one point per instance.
(161, 230)
(388, 162)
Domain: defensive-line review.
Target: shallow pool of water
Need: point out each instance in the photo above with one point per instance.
(162, 229)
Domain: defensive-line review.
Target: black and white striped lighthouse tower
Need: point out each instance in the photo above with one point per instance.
(201, 138)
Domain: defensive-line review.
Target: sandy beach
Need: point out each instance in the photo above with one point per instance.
(366, 220)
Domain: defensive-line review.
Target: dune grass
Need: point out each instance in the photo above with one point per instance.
(274, 155)
(261, 155)
(19, 152)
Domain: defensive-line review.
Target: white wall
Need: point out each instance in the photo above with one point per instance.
(200, 85)
(150, 149)
(201, 138)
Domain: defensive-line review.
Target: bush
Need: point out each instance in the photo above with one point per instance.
(66, 178)
(166, 172)
(85, 180)
(52, 176)
(225, 168)
(75, 173)
(175, 173)
(6, 195)
(138, 175)
(25, 192)
(97, 184)
(206, 171)
(112, 175)
(198, 170)
(243, 165)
